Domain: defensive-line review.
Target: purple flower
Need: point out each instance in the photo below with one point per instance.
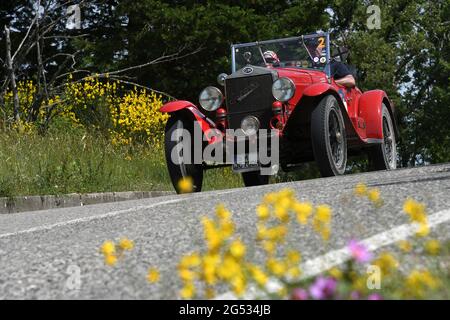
(375, 296)
(355, 295)
(359, 252)
(323, 288)
(299, 294)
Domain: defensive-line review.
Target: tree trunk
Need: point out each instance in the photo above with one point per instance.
(12, 76)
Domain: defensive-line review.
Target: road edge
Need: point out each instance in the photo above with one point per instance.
(10, 205)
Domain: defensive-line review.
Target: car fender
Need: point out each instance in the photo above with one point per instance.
(317, 89)
(207, 126)
(370, 109)
(309, 100)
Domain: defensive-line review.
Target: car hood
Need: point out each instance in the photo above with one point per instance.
(302, 76)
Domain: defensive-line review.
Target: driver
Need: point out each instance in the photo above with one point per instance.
(342, 74)
(271, 58)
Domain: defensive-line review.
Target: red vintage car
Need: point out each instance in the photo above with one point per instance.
(293, 97)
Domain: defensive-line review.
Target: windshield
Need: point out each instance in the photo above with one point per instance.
(308, 52)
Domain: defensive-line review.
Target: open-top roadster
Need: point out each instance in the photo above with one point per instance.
(296, 99)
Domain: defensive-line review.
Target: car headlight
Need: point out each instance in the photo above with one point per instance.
(283, 89)
(211, 98)
(250, 125)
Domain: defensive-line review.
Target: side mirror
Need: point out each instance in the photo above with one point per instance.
(221, 79)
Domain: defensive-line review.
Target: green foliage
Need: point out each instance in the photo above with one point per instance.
(69, 159)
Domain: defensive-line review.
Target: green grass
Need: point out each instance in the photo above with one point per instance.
(72, 160)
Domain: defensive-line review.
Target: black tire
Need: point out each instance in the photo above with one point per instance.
(254, 178)
(328, 137)
(181, 168)
(384, 156)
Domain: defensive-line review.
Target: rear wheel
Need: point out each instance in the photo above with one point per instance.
(384, 156)
(254, 178)
(328, 137)
(180, 162)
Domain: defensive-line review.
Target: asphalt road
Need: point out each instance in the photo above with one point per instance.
(39, 249)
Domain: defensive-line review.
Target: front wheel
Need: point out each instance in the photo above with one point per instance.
(179, 150)
(384, 155)
(328, 137)
(254, 178)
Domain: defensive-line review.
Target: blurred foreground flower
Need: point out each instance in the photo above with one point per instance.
(153, 275)
(323, 288)
(417, 214)
(186, 185)
(113, 252)
(359, 252)
(433, 247)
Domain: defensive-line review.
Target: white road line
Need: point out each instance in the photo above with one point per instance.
(87, 219)
(100, 216)
(334, 258)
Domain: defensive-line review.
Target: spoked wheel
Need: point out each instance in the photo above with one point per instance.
(254, 178)
(180, 160)
(329, 141)
(384, 156)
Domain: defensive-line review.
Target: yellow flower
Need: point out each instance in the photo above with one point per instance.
(212, 234)
(108, 248)
(374, 196)
(188, 291)
(323, 214)
(423, 230)
(229, 269)
(294, 272)
(186, 185)
(282, 214)
(189, 261)
(261, 232)
(387, 263)
(419, 281)
(238, 285)
(415, 210)
(269, 247)
(153, 275)
(110, 259)
(222, 213)
(209, 267)
(258, 275)
(361, 189)
(433, 247)
(293, 257)
(276, 267)
(325, 233)
(405, 246)
(210, 293)
(227, 228)
(270, 198)
(186, 275)
(335, 273)
(237, 249)
(262, 212)
(284, 200)
(303, 211)
(126, 244)
(277, 233)
(359, 283)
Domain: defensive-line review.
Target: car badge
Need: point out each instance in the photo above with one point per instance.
(247, 70)
(247, 91)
